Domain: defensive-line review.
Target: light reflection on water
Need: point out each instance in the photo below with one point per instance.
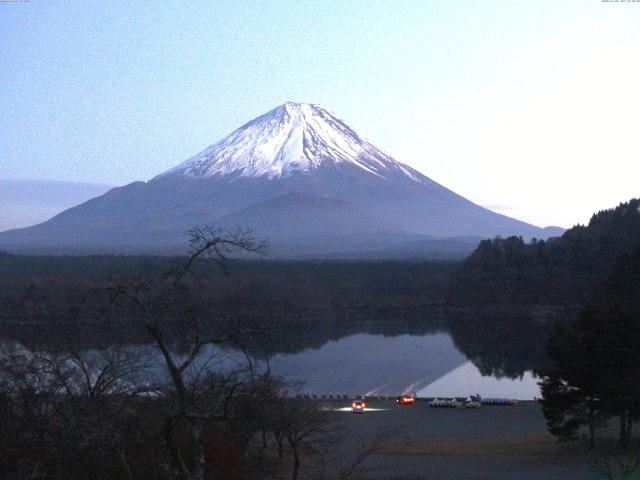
(428, 365)
(467, 379)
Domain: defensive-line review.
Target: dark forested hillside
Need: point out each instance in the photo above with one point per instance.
(572, 269)
(296, 289)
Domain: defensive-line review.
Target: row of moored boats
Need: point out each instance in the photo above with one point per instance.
(470, 402)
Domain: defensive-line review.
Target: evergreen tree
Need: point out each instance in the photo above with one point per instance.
(596, 373)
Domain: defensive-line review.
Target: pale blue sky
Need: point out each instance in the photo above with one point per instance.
(529, 108)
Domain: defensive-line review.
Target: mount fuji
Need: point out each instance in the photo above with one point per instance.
(300, 178)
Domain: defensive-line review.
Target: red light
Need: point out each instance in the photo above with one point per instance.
(405, 399)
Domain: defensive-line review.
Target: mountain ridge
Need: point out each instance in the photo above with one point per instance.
(335, 193)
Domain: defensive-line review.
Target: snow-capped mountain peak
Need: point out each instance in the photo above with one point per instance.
(299, 178)
(294, 137)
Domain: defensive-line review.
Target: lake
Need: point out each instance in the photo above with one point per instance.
(427, 365)
(446, 354)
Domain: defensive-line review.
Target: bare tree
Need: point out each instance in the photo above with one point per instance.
(71, 405)
(298, 421)
(163, 300)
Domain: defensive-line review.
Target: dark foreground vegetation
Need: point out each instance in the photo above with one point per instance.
(74, 414)
(594, 373)
(71, 415)
(84, 397)
(596, 358)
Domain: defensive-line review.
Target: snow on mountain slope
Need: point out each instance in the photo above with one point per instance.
(299, 177)
(294, 137)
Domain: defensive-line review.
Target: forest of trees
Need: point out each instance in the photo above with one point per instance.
(594, 369)
(591, 372)
(39, 296)
(569, 270)
(306, 288)
(596, 361)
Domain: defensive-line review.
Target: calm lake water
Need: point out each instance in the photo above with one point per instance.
(428, 365)
(452, 354)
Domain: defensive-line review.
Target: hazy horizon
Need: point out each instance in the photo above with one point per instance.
(29, 202)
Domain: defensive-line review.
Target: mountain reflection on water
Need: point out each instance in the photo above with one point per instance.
(490, 352)
(451, 352)
(371, 364)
